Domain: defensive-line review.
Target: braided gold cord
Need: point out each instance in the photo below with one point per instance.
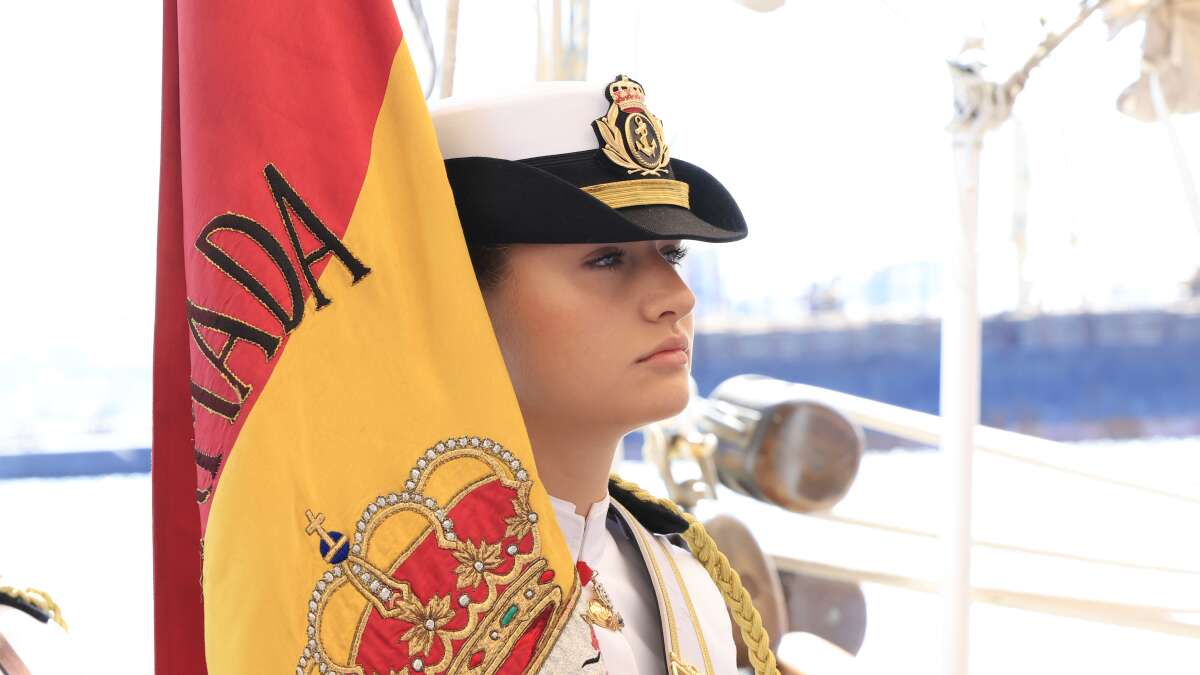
(704, 549)
(36, 598)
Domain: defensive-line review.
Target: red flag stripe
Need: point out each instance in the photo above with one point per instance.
(179, 615)
(297, 85)
(294, 85)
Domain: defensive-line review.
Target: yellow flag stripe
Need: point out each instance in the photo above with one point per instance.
(398, 361)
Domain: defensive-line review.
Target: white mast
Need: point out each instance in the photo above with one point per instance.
(980, 105)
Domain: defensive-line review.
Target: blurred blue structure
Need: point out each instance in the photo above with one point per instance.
(85, 463)
(1064, 377)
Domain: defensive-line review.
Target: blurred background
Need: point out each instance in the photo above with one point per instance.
(828, 121)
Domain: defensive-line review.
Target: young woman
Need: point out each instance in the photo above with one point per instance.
(575, 216)
(597, 339)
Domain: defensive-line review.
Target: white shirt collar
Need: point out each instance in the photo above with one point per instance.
(586, 536)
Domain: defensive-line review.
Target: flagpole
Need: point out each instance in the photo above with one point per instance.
(449, 49)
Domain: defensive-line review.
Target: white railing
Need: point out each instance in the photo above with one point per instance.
(926, 429)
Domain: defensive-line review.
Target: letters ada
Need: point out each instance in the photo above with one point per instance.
(288, 311)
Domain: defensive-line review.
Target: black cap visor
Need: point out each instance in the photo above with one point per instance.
(539, 201)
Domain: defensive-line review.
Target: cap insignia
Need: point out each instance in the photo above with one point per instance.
(629, 135)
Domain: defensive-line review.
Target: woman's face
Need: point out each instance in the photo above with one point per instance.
(595, 334)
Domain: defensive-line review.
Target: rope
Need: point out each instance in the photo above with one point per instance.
(1000, 546)
(737, 598)
(1081, 473)
(1155, 618)
(38, 599)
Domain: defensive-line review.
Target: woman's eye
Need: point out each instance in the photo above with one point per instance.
(608, 260)
(675, 255)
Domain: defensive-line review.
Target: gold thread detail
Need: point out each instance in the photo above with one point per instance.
(638, 532)
(520, 579)
(38, 599)
(615, 139)
(687, 600)
(641, 192)
(737, 598)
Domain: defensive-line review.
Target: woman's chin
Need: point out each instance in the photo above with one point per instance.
(660, 403)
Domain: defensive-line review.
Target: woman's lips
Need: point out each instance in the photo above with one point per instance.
(673, 343)
(667, 357)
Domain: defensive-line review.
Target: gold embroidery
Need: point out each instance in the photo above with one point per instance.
(641, 192)
(687, 599)
(426, 620)
(644, 143)
(475, 562)
(638, 145)
(506, 614)
(527, 608)
(737, 598)
(523, 519)
(677, 665)
(680, 667)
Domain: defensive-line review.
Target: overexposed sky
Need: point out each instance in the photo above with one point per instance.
(79, 138)
(825, 120)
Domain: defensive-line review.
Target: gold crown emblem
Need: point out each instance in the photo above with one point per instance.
(459, 596)
(627, 94)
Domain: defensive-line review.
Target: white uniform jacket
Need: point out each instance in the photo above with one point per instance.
(675, 617)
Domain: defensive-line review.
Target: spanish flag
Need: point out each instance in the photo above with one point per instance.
(342, 480)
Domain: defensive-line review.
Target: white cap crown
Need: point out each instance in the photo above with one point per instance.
(547, 118)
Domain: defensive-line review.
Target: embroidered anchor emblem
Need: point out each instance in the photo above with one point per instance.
(629, 135)
(644, 142)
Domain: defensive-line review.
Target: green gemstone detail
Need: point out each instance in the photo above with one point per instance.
(509, 616)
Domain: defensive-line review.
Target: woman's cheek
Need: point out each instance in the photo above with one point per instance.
(552, 359)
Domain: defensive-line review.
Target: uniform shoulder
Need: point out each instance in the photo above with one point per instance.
(668, 526)
(653, 516)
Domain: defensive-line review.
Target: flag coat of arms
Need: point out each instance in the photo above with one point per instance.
(342, 480)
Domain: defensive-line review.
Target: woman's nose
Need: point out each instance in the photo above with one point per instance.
(668, 293)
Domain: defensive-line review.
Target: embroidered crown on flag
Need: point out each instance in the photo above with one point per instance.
(474, 594)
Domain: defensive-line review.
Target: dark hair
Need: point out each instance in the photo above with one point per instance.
(490, 263)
